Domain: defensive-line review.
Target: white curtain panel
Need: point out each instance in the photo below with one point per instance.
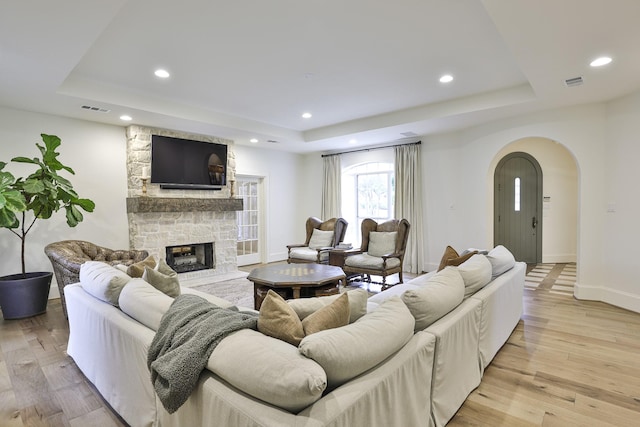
(331, 187)
(408, 202)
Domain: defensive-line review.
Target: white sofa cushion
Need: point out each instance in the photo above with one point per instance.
(501, 259)
(346, 352)
(321, 239)
(367, 261)
(476, 273)
(103, 281)
(268, 369)
(382, 242)
(441, 294)
(143, 302)
(306, 306)
(394, 291)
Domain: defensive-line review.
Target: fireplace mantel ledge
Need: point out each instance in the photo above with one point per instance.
(180, 204)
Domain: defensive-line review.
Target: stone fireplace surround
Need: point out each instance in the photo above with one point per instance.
(179, 217)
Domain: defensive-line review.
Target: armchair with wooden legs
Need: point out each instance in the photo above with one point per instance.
(381, 251)
(321, 237)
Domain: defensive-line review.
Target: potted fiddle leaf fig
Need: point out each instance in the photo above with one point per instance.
(23, 201)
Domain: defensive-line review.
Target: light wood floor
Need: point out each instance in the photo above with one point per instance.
(568, 363)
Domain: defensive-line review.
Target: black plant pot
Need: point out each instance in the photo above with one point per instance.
(22, 296)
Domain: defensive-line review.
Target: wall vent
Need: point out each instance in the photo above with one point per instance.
(576, 81)
(97, 109)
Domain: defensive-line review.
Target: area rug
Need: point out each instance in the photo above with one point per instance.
(238, 291)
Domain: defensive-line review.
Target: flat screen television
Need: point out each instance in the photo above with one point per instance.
(188, 164)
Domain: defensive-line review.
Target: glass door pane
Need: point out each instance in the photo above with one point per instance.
(248, 221)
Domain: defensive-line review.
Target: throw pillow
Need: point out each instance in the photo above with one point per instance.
(163, 267)
(331, 316)
(452, 258)
(268, 369)
(143, 302)
(476, 273)
(501, 259)
(103, 281)
(321, 239)
(346, 352)
(443, 292)
(137, 269)
(277, 319)
(167, 283)
(382, 243)
(357, 304)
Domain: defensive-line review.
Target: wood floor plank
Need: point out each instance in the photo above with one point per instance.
(9, 410)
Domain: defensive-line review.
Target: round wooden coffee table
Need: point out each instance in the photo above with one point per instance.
(295, 280)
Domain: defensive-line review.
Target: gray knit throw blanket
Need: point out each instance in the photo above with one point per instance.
(188, 333)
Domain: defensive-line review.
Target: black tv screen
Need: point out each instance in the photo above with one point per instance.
(187, 164)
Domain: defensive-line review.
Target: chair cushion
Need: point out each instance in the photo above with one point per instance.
(346, 352)
(321, 239)
(443, 292)
(357, 304)
(382, 242)
(476, 273)
(308, 254)
(103, 281)
(370, 262)
(501, 259)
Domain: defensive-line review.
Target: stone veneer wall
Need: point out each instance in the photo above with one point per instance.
(154, 231)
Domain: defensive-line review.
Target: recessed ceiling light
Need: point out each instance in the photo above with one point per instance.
(353, 141)
(306, 115)
(253, 141)
(446, 78)
(126, 118)
(599, 62)
(163, 74)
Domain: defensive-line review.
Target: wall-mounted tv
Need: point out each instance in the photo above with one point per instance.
(188, 164)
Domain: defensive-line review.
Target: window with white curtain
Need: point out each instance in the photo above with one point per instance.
(368, 191)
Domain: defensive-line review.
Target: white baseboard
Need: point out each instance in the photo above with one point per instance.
(610, 296)
(558, 258)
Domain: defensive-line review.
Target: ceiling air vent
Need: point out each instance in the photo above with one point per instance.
(97, 109)
(273, 141)
(576, 81)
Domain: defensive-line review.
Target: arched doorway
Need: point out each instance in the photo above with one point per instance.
(518, 206)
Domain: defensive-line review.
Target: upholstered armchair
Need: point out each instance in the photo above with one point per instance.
(321, 236)
(381, 251)
(68, 255)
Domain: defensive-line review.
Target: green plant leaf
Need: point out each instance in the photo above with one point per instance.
(33, 186)
(8, 219)
(26, 160)
(74, 216)
(86, 204)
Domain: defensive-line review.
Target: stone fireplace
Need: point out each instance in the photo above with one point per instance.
(190, 257)
(164, 218)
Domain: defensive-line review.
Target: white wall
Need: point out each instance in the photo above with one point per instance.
(559, 222)
(283, 194)
(96, 153)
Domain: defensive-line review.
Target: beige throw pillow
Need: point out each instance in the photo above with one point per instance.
(357, 304)
(137, 269)
(277, 319)
(331, 316)
(167, 283)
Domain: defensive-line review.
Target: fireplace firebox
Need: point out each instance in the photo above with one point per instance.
(190, 257)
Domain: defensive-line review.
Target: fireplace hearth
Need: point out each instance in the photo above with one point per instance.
(191, 257)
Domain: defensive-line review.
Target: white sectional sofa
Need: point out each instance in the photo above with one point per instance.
(421, 383)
